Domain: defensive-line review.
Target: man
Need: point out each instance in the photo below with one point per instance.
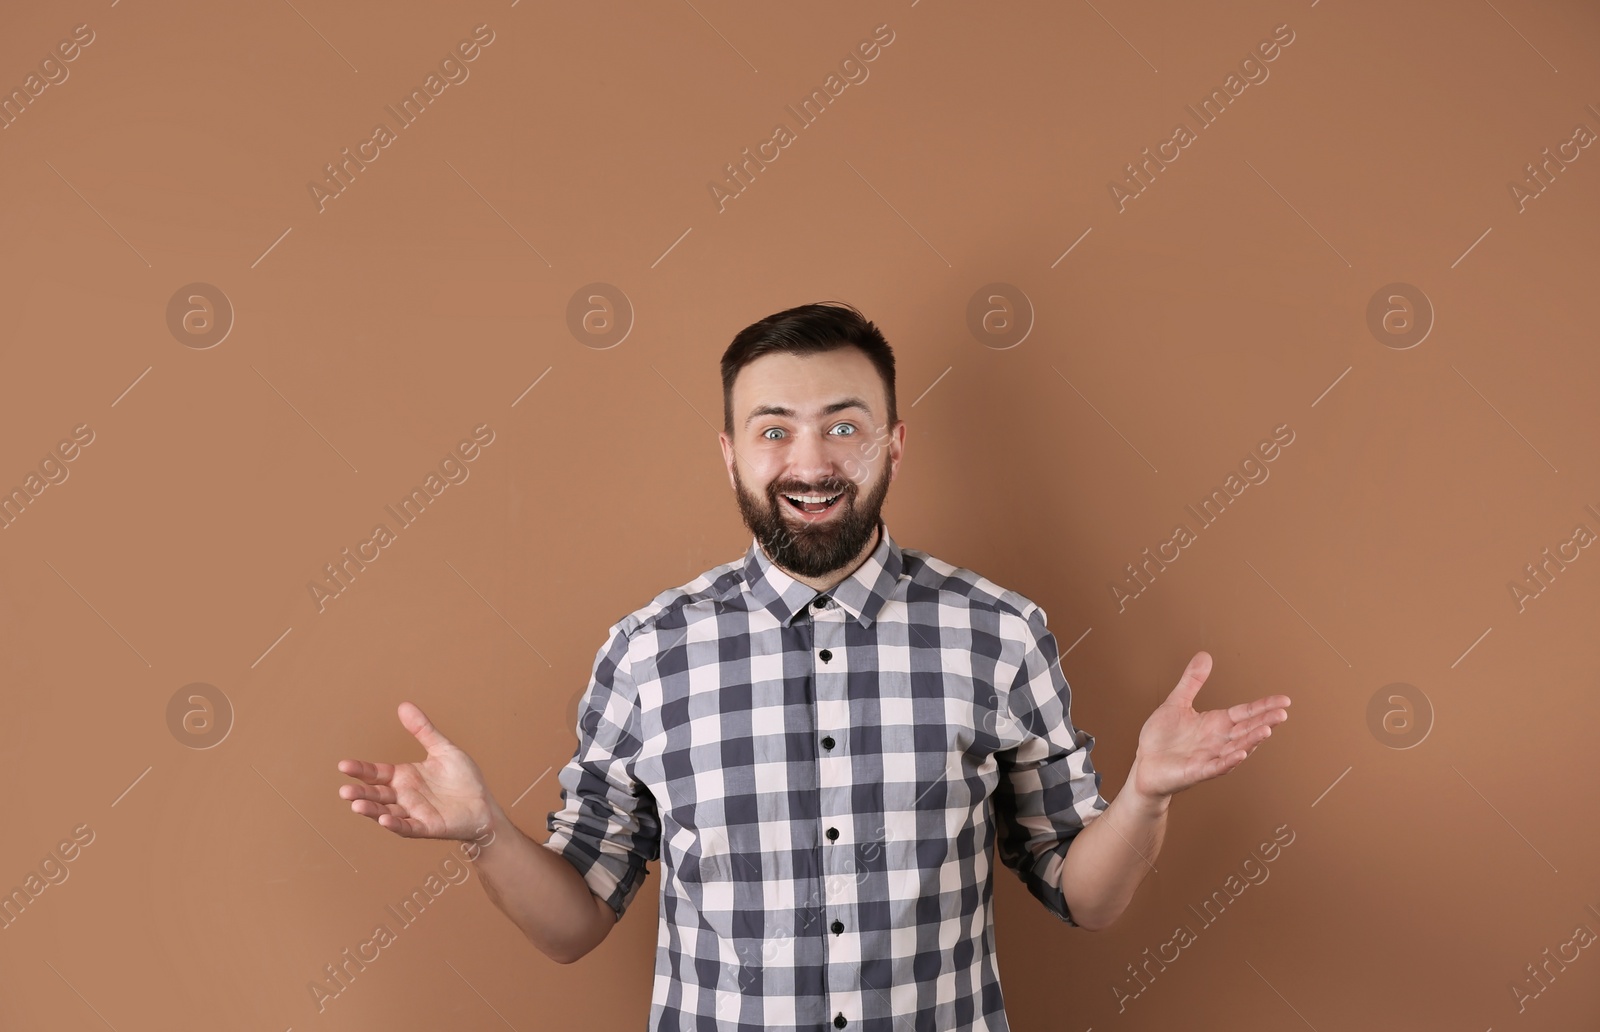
(824, 742)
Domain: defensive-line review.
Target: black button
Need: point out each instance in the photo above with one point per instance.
(839, 1021)
(833, 833)
(820, 602)
(826, 655)
(838, 928)
(827, 742)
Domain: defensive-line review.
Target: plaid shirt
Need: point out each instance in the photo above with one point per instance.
(823, 776)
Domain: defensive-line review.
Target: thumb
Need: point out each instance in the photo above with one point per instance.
(417, 722)
(1194, 675)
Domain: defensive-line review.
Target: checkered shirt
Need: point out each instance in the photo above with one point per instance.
(822, 776)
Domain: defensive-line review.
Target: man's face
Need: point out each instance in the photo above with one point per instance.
(811, 428)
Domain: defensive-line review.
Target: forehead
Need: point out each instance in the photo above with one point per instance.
(808, 382)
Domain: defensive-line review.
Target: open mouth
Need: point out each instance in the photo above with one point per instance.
(814, 505)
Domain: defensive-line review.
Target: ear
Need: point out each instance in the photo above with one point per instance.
(727, 456)
(897, 447)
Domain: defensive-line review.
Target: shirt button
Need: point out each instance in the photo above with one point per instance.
(820, 602)
(839, 1021)
(838, 928)
(826, 655)
(827, 742)
(833, 833)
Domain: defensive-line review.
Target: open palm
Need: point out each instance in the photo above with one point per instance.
(1180, 747)
(443, 796)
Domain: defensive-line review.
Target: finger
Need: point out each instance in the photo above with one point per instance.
(377, 793)
(1194, 675)
(405, 827)
(392, 818)
(1266, 720)
(1238, 748)
(1249, 709)
(1255, 731)
(368, 808)
(371, 773)
(1247, 743)
(422, 728)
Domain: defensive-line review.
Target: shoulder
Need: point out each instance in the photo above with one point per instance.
(930, 579)
(676, 606)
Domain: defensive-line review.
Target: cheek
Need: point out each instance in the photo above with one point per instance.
(754, 475)
(763, 463)
(871, 463)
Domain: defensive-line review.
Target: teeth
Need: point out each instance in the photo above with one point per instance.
(811, 498)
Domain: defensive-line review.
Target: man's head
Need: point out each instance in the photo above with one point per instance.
(809, 411)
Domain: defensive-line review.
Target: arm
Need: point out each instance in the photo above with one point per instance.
(540, 892)
(1178, 748)
(1110, 856)
(568, 892)
(1048, 795)
(607, 828)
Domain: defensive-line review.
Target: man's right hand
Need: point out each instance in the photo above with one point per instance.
(444, 796)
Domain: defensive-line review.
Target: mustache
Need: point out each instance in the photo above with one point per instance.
(826, 487)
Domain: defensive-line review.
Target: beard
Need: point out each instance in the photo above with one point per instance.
(806, 548)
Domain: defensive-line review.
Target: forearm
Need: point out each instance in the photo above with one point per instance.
(1110, 857)
(540, 891)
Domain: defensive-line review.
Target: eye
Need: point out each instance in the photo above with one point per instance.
(769, 431)
(846, 426)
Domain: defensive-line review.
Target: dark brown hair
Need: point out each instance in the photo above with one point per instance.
(807, 330)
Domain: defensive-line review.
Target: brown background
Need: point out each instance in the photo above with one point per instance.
(425, 300)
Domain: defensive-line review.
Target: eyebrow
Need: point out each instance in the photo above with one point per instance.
(828, 410)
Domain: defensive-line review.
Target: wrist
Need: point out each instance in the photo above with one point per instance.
(489, 826)
(1153, 804)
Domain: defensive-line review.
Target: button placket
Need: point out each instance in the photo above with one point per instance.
(831, 678)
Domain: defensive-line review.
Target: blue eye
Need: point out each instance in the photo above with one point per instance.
(768, 433)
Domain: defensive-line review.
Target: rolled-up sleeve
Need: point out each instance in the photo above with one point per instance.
(1048, 790)
(608, 827)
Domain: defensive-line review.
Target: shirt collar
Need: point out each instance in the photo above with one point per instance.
(862, 594)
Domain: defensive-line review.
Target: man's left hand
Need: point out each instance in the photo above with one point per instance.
(1179, 747)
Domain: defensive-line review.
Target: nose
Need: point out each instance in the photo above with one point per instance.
(810, 461)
